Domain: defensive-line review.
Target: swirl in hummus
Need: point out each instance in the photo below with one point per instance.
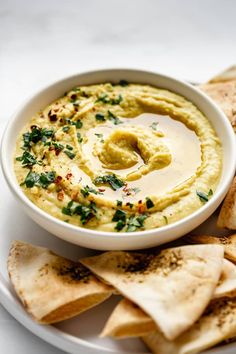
(123, 157)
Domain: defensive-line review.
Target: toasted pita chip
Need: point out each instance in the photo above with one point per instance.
(51, 287)
(226, 75)
(173, 287)
(224, 94)
(226, 286)
(217, 324)
(227, 216)
(128, 320)
(228, 242)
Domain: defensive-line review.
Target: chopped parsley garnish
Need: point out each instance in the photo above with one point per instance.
(119, 215)
(154, 125)
(120, 225)
(135, 222)
(79, 138)
(123, 83)
(68, 209)
(37, 134)
(115, 120)
(132, 223)
(66, 128)
(149, 203)
(106, 99)
(119, 203)
(85, 212)
(69, 147)
(117, 100)
(78, 124)
(100, 117)
(28, 160)
(70, 154)
(112, 180)
(47, 133)
(42, 180)
(87, 190)
(58, 147)
(203, 196)
(103, 98)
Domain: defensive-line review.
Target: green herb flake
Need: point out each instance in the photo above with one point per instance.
(112, 180)
(119, 203)
(42, 180)
(46, 179)
(119, 215)
(116, 101)
(85, 212)
(79, 138)
(203, 196)
(154, 125)
(103, 98)
(210, 193)
(87, 190)
(58, 146)
(70, 154)
(120, 225)
(69, 147)
(106, 99)
(28, 160)
(78, 124)
(135, 222)
(66, 128)
(100, 117)
(31, 179)
(36, 135)
(115, 120)
(149, 203)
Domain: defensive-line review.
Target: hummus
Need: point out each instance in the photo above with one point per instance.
(123, 157)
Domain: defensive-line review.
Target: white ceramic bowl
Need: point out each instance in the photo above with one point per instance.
(111, 240)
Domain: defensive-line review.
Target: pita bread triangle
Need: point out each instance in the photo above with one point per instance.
(228, 242)
(128, 320)
(173, 287)
(51, 287)
(224, 94)
(227, 75)
(226, 286)
(227, 216)
(217, 324)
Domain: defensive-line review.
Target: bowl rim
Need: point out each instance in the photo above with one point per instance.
(19, 194)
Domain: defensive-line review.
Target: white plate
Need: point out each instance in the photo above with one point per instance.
(78, 335)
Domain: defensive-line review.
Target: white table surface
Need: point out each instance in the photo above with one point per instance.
(41, 41)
